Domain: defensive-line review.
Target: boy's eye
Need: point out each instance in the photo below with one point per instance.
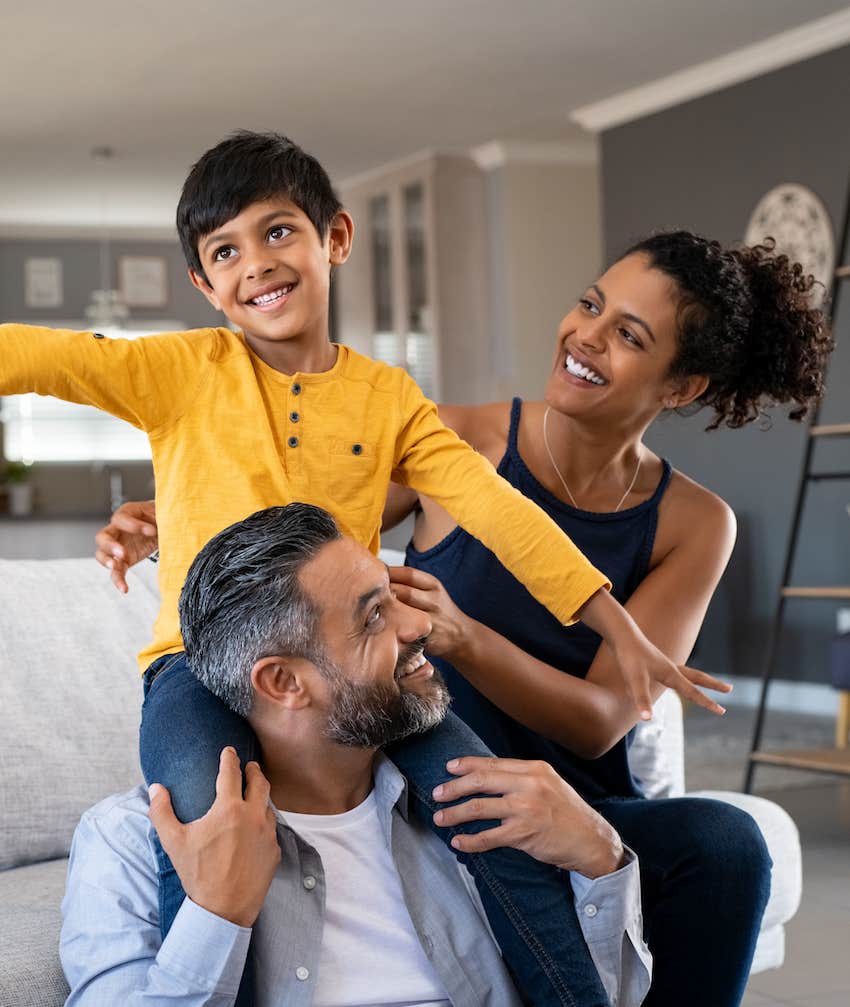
(223, 253)
(279, 232)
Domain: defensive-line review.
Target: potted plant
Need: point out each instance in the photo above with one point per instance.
(18, 488)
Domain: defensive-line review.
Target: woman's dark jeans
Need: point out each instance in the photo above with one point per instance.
(529, 904)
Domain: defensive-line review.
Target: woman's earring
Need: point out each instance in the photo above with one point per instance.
(670, 403)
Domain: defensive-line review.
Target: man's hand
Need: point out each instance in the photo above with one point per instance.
(540, 814)
(227, 859)
(129, 537)
(423, 591)
(641, 663)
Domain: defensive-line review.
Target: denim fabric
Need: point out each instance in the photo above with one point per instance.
(705, 880)
(183, 730)
(529, 905)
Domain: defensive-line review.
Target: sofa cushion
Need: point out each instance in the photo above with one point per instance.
(30, 921)
(70, 697)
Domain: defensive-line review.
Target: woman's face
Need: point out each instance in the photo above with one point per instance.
(616, 346)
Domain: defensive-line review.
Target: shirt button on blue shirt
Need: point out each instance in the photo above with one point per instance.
(309, 882)
(293, 442)
(302, 973)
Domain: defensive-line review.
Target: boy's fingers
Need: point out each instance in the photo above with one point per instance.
(705, 680)
(413, 578)
(162, 814)
(691, 692)
(257, 789)
(642, 698)
(228, 783)
(117, 575)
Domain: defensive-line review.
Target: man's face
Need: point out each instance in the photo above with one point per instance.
(381, 688)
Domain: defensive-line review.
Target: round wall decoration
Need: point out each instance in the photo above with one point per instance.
(798, 220)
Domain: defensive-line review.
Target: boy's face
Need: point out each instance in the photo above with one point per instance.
(269, 271)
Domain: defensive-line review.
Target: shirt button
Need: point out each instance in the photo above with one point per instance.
(590, 910)
(293, 442)
(309, 882)
(302, 973)
(296, 389)
(98, 335)
(357, 449)
(295, 417)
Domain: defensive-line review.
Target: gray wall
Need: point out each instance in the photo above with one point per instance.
(83, 489)
(704, 165)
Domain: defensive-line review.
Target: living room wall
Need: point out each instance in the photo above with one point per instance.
(704, 165)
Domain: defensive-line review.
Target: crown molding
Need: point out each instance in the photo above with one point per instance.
(497, 154)
(377, 173)
(750, 61)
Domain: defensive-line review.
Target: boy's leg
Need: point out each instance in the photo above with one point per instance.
(529, 904)
(705, 879)
(184, 728)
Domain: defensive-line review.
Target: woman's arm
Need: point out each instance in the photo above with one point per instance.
(589, 715)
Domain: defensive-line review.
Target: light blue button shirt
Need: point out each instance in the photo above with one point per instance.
(112, 951)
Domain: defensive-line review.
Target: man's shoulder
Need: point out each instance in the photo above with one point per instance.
(119, 822)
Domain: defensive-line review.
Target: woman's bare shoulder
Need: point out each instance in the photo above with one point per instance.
(481, 426)
(690, 512)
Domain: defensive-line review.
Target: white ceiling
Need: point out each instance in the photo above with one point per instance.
(357, 82)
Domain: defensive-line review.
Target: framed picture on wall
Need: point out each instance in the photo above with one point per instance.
(143, 280)
(43, 283)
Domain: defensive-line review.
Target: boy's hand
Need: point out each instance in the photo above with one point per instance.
(423, 591)
(641, 663)
(129, 537)
(539, 813)
(227, 859)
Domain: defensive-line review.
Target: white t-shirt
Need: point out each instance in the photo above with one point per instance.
(370, 955)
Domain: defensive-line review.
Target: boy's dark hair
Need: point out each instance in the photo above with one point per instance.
(244, 169)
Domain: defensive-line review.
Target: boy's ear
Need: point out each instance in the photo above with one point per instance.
(284, 681)
(340, 237)
(199, 281)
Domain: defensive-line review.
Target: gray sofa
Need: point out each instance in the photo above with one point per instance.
(70, 696)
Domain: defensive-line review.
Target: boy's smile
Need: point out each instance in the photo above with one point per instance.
(268, 270)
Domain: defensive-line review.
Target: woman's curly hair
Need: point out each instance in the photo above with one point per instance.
(746, 322)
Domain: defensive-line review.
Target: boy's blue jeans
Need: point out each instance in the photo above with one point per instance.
(529, 904)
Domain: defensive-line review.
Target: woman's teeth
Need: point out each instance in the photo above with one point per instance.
(580, 371)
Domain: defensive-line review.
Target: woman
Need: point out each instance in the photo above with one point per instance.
(677, 322)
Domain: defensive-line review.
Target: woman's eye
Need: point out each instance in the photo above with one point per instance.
(223, 253)
(630, 337)
(279, 232)
(588, 305)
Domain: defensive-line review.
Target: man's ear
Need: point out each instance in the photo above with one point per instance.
(685, 391)
(340, 237)
(199, 281)
(284, 681)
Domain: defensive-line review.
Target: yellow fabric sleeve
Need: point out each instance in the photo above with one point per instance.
(146, 381)
(433, 460)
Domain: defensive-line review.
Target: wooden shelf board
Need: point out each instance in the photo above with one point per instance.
(842, 271)
(821, 760)
(831, 430)
(816, 592)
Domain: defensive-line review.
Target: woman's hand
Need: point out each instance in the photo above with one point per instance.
(449, 626)
(129, 537)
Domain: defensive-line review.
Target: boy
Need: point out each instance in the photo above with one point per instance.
(239, 421)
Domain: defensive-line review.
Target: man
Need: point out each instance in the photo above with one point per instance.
(345, 899)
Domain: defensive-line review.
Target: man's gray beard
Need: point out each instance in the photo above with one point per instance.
(373, 715)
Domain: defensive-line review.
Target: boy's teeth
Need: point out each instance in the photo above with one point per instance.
(273, 296)
(580, 371)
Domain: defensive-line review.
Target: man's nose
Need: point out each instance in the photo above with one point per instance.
(413, 624)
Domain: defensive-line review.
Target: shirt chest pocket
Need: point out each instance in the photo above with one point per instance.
(352, 466)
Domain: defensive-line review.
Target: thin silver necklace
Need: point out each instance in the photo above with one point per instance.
(559, 474)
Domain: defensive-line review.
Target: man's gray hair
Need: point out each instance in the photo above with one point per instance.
(242, 600)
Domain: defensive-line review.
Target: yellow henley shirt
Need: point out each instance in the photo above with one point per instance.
(231, 435)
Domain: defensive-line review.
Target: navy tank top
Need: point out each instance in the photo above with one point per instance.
(619, 544)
